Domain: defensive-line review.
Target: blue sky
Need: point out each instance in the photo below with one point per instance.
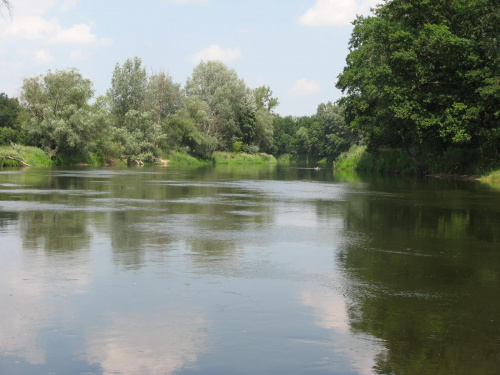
(297, 47)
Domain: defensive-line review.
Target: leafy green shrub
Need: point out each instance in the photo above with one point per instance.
(237, 146)
(243, 158)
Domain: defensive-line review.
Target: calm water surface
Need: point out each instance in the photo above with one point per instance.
(247, 271)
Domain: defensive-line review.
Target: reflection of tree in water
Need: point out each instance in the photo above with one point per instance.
(7, 218)
(131, 243)
(425, 278)
(55, 231)
(206, 217)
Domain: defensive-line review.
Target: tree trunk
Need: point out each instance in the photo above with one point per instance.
(54, 152)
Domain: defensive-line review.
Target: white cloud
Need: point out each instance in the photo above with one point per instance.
(43, 56)
(23, 8)
(32, 28)
(38, 29)
(303, 87)
(161, 344)
(336, 12)
(215, 52)
(76, 34)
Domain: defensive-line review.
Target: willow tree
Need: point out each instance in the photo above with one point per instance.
(58, 104)
(231, 103)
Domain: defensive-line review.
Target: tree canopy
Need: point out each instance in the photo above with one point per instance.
(58, 105)
(425, 75)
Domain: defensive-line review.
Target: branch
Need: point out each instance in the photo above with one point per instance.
(7, 5)
(20, 161)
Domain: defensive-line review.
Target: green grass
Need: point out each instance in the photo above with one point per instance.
(184, 159)
(454, 162)
(354, 159)
(304, 160)
(16, 155)
(87, 158)
(491, 176)
(386, 161)
(243, 158)
(287, 159)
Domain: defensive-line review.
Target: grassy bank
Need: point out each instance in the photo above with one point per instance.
(287, 159)
(18, 156)
(220, 157)
(23, 156)
(491, 176)
(453, 162)
(184, 159)
(386, 161)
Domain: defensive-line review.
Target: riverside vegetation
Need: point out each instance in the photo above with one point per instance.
(421, 95)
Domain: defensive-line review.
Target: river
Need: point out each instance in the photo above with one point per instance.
(247, 270)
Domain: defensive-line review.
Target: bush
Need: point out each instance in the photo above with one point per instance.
(237, 146)
(243, 158)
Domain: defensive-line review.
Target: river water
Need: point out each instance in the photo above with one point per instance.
(247, 270)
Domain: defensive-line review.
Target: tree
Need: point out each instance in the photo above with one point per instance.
(163, 96)
(59, 111)
(284, 136)
(231, 102)
(264, 99)
(138, 105)
(9, 113)
(337, 136)
(424, 75)
(264, 131)
(9, 109)
(128, 88)
(192, 127)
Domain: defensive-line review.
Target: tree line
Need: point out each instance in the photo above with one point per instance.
(422, 78)
(145, 116)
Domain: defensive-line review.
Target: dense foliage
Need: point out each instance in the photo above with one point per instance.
(323, 135)
(10, 111)
(421, 85)
(145, 117)
(424, 76)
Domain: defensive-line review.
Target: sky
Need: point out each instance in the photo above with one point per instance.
(296, 47)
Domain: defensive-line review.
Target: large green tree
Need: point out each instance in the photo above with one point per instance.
(163, 96)
(138, 104)
(191, 127)
(425, 75)
(231, 103)
(9, 114)
(59, 111)
(128, 90)
(264, 98)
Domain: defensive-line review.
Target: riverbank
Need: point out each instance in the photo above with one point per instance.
(221, 157)
(25, 156)
(396, 161)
